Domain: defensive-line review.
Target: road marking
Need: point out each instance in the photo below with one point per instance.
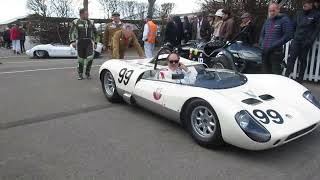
(33, 61)
(7, 57)
(48, 69)
(48, 60)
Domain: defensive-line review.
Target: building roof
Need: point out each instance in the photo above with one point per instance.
(13, 20)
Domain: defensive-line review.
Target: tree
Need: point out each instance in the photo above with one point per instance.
(151, 7)
(62, 8)
(109, 6)
(141, 9)
(38, 7)
(127, 8)
(166, 9)
(85, 4)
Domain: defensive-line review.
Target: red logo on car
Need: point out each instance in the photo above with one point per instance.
(157, 94)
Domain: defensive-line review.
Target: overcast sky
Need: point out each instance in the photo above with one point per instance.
(10, 9)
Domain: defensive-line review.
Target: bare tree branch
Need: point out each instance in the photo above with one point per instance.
(166, 9)
(109, 6)
(38, 7)
(62, 8)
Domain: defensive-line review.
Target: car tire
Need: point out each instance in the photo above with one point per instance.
(109, 87)
(40, 54)
(220, 62)
(202, 124)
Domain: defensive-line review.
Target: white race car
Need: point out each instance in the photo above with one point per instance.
(49, 50)
(254, 112)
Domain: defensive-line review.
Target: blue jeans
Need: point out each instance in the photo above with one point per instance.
(148, 49)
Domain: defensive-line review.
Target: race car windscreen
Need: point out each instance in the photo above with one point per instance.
(214, 79)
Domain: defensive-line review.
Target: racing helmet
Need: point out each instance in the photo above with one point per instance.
(219, 13)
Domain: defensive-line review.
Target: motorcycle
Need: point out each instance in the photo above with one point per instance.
(234, 55)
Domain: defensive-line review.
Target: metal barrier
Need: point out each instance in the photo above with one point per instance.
(312, 72)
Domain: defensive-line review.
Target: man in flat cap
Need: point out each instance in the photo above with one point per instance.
(111, 29)
(248, 34)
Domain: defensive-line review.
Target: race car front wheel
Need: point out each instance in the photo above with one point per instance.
(41, 54)
(109, 87)
(220, 62)
(203, 124)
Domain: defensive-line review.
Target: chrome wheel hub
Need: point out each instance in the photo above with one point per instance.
(109, 84)
(203, 122)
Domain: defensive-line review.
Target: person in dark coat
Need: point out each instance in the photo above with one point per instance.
(247, 28)
(201, 29)
(6, 38)
(305, 24)
(187, 29)
(317, 5)
(179, 26)
(22, 39)
(276, 31)
(171, 32)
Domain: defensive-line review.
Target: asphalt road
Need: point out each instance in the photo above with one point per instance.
(55, 127)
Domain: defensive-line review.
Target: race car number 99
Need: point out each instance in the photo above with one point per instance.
(265, 117)
(124, 76)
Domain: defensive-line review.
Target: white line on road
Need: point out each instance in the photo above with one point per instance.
(48, 69)
(34, 61)
(7, 57)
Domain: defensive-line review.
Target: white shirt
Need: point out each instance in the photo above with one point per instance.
(199, 28)
(145, 32)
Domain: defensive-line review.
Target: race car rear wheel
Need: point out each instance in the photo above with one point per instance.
(41, 54)
(203, 124)
(220, 62)
(109, 87)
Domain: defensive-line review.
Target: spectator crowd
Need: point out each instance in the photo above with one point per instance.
(13, 38)
(277, 30)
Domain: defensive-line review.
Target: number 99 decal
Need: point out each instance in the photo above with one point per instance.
(124, 76)
(265, 117)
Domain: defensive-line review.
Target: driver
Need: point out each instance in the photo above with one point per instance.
(174, 67)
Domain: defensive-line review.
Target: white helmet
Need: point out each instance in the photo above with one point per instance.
(219, 13)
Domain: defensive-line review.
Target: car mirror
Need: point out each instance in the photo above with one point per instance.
(177, 76)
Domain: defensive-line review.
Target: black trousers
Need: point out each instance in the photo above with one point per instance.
(271, 62)
(84, 48)
(297, 50)
(85, 55)
(22, 48)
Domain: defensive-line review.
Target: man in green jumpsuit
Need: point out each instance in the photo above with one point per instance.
(82, 35)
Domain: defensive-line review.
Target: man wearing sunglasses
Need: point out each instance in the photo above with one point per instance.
(174, 67)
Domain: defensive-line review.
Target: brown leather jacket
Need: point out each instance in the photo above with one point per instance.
(120, 45)
(227, 29)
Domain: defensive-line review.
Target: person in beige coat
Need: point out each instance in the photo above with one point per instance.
(121, 41)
